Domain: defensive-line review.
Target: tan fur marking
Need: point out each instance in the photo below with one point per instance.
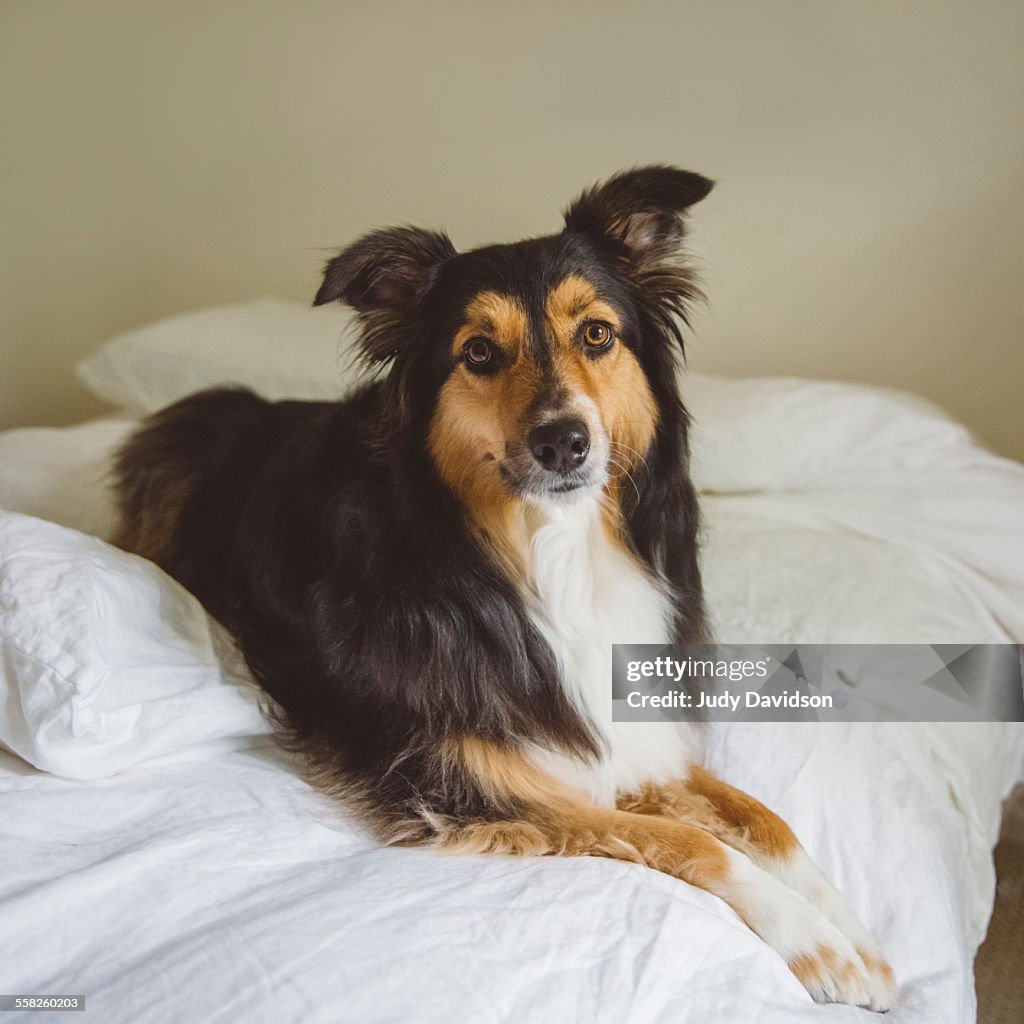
(498, 317)
(573, 301)
(150, 532)
(816, 970)
(502, 771)
(476, 416)
(512, 838)
(467, 444)
(672, 800)
(875, 964)
(683, 802)
(806, 968)
(614, 382)
(760, 827)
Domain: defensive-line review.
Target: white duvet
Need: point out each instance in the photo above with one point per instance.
(161, 856)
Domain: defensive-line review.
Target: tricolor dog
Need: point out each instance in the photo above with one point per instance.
(428, 576)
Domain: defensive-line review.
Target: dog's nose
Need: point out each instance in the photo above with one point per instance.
(561, 445)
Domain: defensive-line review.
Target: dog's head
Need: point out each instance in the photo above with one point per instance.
(536, 371)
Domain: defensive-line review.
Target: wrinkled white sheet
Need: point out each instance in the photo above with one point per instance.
(200, 888)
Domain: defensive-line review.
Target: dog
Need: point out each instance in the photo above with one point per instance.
(427, 576)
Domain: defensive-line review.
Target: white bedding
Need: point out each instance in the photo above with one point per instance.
(212, 885)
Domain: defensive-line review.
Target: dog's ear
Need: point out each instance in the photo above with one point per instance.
(638, 217)
(641, 211)
(383, 276)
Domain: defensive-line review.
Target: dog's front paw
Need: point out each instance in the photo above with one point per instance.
(834, 970)
(827, 963)
(832, 975)
(802, 874)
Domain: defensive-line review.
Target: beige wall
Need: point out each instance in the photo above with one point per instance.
(868, 223)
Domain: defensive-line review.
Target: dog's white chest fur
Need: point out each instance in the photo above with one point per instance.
(585, 594)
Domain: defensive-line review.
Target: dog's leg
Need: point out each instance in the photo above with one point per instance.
(748, 826)
(552, 820)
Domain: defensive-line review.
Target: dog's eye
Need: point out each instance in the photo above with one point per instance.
(478, 351)
(597, 334)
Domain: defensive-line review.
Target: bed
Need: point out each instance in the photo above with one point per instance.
(162, 857)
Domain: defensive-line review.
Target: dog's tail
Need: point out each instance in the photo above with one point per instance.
(160, 465)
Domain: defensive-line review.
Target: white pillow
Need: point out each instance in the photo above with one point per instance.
(106, 662)
(763, 434)
(63, 473)
(280, 349)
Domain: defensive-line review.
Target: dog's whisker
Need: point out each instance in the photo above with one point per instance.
(629, 448)
(624, 471)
